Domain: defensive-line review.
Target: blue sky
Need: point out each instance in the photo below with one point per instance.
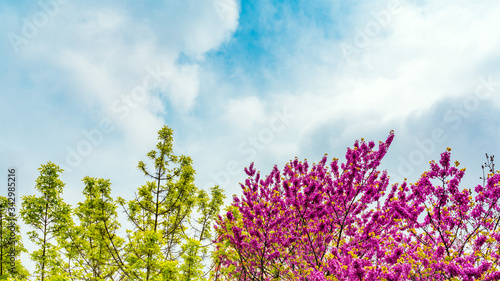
(240, 82)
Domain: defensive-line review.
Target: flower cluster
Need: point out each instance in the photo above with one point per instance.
(334, 221)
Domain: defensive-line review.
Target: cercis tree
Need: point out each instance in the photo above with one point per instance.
(324, 221)
(332, 222)
(446, 232)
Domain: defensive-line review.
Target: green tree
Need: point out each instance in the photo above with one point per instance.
(10, 242)
(89, 251)
(164, 244)
(50, 216)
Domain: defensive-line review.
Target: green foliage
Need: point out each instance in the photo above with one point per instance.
(164, 242)
(192, 268)
(171, 220)
(50, 217)
(87, 245)
(10, 240)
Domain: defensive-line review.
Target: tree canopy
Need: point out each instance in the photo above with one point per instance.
(329, 220)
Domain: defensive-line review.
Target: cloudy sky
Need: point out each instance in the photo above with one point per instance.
(87, 85)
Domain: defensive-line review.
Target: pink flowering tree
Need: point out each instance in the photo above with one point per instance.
(323, 222)
(446, 232)
(333, 221)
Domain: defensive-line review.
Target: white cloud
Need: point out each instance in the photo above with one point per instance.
(91, 59)
(94, 58)
(420, 59)
(184, 86)
(245, 113)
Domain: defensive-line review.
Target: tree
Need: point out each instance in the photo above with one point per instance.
(50, 216)
(308, 223)
(10, 243)
(331, 223)
(89, 244)
(164, 244)
(447, 233)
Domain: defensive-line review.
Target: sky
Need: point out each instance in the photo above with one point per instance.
(88, 84)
